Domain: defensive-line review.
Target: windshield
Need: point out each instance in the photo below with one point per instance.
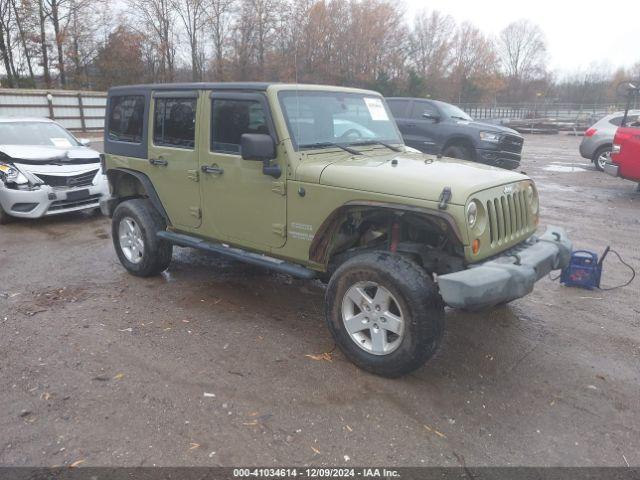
(454, 112)
(35, 133)
(318, 119)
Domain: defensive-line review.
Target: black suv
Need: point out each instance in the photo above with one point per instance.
(437, 127)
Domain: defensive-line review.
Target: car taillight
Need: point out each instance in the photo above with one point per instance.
(590, 132)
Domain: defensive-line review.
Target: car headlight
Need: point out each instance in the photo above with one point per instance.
(10, 174)
(532, 199)
(493, 137)
(472, 214)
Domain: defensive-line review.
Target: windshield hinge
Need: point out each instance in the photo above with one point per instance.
(193, 175)
(279, 187)
(445, 196)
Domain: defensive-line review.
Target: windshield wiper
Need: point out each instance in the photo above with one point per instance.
(331, 144)
(457, 117)
(378, 142)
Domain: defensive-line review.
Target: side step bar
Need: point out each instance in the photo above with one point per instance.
(238, 254)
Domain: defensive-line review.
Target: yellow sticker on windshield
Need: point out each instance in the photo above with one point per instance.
(5, 168)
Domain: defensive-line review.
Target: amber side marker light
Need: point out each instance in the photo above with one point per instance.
(475, 246)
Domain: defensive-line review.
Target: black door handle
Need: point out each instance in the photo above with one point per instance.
(213, 169)
(158, 162)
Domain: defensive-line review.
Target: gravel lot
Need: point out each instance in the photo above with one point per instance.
(209, 364)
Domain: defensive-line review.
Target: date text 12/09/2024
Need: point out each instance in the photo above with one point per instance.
(315, 473)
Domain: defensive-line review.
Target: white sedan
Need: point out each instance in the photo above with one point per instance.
(44, 170)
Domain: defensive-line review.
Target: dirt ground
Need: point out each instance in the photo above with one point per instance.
(210, 363)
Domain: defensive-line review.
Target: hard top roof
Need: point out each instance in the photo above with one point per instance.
(249, 86)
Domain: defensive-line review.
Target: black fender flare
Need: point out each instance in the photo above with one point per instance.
(319, 249)
(146, 184)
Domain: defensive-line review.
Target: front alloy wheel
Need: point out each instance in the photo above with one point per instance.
(603, 157)
(373, 318)
(384, 312)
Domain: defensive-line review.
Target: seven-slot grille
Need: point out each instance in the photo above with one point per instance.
(508, 217)
(81, 180)
(511, 143)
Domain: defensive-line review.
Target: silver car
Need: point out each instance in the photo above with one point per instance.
(44, 170)
(598, 139)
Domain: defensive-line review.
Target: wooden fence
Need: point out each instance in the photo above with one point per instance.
(75, 110)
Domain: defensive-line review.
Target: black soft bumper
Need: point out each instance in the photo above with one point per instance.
(507, 277)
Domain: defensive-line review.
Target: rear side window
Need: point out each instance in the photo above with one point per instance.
(230, 119)
(126, 117)
(174, 123)
(398, 107)
(631, 119)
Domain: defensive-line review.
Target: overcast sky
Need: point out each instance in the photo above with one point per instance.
(578, 33)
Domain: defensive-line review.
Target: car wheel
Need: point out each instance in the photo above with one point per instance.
(4, 216)
(385, 313)
(457, 151)
(133, 229)
(602, 157)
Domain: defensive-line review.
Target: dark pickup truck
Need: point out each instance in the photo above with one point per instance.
(437, 127)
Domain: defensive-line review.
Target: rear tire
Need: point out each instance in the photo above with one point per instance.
(385, 313)
(457, 151)
(4, 217)
(134, 231)
(601, 157)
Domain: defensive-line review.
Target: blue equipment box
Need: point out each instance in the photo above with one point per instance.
(584, 270)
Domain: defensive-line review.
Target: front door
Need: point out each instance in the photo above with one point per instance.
(423, 133)
(241, 204)
(173, 157)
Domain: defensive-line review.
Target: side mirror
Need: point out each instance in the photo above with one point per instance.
(262, 148)
(85, 142)
(431, 116)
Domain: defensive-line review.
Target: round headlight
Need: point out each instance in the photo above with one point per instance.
(532, 199)
(472, 214)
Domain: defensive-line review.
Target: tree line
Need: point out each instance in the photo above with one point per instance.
(92, 44)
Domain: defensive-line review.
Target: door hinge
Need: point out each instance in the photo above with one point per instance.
(195, 212)
(193, 175)
(279, 229)
(279, 187)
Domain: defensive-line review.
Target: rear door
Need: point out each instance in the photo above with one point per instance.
(172, 155)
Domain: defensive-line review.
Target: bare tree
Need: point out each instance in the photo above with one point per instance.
(5, 42)
(156, 22)
(193, 16)
(475, 64)
(522, 48)
(219, 12)
(24, 20)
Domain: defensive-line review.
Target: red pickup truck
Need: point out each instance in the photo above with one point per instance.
(625, 153)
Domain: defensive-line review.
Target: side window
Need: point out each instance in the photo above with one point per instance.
(420, 108)
(230, 119)
(174, 123)
(126, 118)
(617, 121)
(398, 108)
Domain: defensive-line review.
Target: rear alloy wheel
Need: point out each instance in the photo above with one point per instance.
(385, 313)
(602, 157)
(134, 229)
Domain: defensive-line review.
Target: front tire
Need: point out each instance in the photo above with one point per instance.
(602, 157)
(134, 231)
(385, 313)
(457, 151)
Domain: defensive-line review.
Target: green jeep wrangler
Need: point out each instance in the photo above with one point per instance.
(315, 181)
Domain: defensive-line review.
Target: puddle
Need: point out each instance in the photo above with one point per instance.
(563, 169)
